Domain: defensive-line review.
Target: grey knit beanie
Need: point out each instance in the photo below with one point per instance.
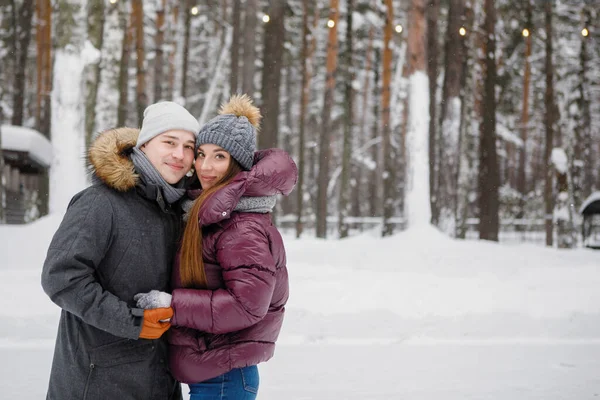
(165, 116)
(234, 129)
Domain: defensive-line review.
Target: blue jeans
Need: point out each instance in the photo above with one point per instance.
(237, 384)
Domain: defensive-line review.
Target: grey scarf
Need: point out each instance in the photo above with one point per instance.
(259, 205)
(151, 176)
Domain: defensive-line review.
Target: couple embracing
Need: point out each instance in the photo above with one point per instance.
(165, 276)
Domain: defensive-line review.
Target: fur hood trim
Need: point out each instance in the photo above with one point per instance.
(109, 158)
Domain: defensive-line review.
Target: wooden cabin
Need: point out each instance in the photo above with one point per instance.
(590, 229)
(27, 157)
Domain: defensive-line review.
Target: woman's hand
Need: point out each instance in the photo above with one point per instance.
(153, 299)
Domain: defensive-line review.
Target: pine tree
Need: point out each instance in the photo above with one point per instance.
(489, 179)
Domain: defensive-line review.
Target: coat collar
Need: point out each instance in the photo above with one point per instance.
(109, 158)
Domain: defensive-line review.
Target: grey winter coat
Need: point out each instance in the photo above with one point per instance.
(118, 238)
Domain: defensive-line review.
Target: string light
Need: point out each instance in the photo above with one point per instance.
(462, 31)
(585, 32)
(194, 10)
(331, 23)
(113, 1)
(266, 18)
(525, 32)
(399, 28)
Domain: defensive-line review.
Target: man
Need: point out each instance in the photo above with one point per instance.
(118, 238)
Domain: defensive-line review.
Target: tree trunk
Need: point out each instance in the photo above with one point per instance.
(22, 38)
(450, 116)
(187, 26)
(437, 198)
(357, 171)
(521, 175)
(549, 127)
(374, 187)
(39, 56)
(224, 6)
(566, 235)
(235, 47)
(325, 139)
(11, 14)
(470, 115)
(2, 183)
(585, 124)
(271, 75)
(249, 58)
(312, 124)
(306, 56)
(140, 62)
(174, 32)
(389, 170)
(286, 205)
(301, 126)
(46, 115)
(159, 51)
(95, 33)
(43, 110)
(417, 194)
(127, 26)
(489, 177)
(344, 195)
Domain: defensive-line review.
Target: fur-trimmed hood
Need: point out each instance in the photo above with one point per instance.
(109, 158)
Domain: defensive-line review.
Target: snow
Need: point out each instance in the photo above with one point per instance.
(67, 174)
(18, 138)
(211, 95)
(417, 199)
(417, 315)
(559, 160)
(591, 199)
(90, 54)
(507, 135)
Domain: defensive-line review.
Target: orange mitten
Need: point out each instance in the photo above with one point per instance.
(152, 328)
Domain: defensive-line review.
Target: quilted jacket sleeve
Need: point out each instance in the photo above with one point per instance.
(77, 249)
(244, 255)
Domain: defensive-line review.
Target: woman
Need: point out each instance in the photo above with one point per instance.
(230, 282)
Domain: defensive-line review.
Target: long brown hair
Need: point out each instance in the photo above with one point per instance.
(191, 264)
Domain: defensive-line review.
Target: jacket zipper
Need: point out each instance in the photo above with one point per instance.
(87, 383)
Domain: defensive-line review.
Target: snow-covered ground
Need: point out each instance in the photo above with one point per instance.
(414, 316)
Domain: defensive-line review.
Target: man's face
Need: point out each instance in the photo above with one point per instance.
(171, 153)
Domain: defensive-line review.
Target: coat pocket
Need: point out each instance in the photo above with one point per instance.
(122, 352)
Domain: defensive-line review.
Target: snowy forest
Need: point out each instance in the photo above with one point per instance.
(473, 115)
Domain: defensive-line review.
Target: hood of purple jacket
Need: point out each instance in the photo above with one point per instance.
(273, 172)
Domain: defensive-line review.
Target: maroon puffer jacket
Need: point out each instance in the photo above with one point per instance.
(236, 321)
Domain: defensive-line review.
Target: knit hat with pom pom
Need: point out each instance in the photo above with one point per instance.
(234, 130)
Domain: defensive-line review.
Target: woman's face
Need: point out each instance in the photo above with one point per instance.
(211, 164)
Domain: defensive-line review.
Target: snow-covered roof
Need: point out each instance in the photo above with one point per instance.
(30, 141)
(592, 198)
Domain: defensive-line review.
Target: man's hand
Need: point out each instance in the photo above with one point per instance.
(153, 299)
(153, 328)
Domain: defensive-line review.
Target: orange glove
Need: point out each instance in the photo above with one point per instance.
(152, 328)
